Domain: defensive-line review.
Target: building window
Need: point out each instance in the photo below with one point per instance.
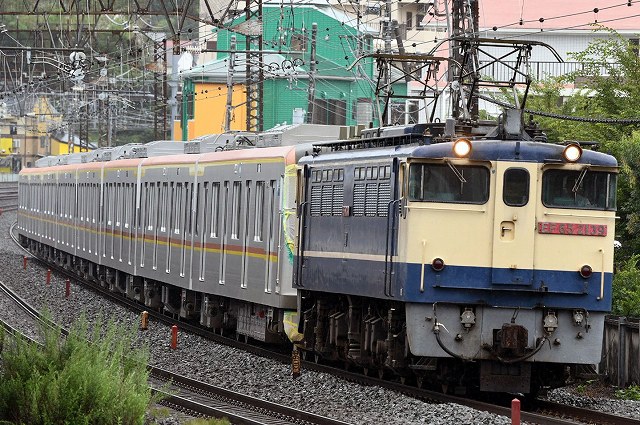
(409, 20)
(419, 19)
(329, 111)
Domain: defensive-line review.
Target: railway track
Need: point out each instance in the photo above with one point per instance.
(542, 412)
(8, 196)
(195, 397)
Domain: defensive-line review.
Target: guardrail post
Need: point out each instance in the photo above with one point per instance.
(515, 412)
(144, 322)
(174, 337)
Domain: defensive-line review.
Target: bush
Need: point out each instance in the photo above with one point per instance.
(626, 289)
(83, 379)
(632, 392)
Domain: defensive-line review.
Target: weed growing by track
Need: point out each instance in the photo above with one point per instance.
(89, 377)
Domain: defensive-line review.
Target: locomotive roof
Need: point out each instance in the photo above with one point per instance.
(483, 150)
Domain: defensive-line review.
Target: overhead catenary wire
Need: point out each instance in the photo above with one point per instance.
(125, 62)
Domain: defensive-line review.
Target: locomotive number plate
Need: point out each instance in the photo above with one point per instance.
(572, 229)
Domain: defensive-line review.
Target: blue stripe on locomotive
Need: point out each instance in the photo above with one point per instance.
(456, 284)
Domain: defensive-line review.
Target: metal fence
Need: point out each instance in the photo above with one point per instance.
(621, 350)
(4, 177)
(8, 195)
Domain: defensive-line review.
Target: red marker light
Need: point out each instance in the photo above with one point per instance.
(437, 264)
(586, 271)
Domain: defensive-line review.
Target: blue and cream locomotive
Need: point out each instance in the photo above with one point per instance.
(463, 261)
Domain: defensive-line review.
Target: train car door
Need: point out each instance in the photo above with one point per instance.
(514, 224)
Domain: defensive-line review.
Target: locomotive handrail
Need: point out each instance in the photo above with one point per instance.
(300, 251)
(601, 297)
(388, 254)
(580, 215)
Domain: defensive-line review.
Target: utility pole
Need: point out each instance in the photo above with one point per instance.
(388, 33)
(255, 66)
(230, 69)
(464, 18)
(312, 73)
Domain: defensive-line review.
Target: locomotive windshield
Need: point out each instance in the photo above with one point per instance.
(582, 189)
(448, 183)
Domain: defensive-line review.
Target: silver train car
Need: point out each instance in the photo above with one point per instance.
(204, 236)
(469, 263)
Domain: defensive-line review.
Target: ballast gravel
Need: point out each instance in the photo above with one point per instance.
(243, 372)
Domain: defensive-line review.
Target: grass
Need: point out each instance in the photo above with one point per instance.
(90, 377)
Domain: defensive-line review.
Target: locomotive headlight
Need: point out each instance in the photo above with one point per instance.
(462, 148)
(572, 152)
(586, 271)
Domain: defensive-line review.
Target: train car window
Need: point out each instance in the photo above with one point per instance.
(515, 187)
(270, 236)
(178, 208)
(119, 204)
(338, 174)
(196, 201)
(463, 184)
(205, 231)
(215, 209)
(187, 207)
(171, 207)
(581, 189)
(235, 210)
(223, 233)
(259, 211)
(245, 236)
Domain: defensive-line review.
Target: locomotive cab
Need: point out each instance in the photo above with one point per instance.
(524, 243)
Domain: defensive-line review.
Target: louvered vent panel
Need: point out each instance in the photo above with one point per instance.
(384, 197)
(358, 199)
(338, 199)
(316, 200)
(371, 201)
(327, 199)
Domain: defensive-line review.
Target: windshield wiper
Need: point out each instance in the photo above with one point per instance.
(583, 172)
(456, 172)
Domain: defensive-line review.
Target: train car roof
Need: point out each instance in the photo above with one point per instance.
(287, 152)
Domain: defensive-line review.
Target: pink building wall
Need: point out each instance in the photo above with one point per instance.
(577, 14)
